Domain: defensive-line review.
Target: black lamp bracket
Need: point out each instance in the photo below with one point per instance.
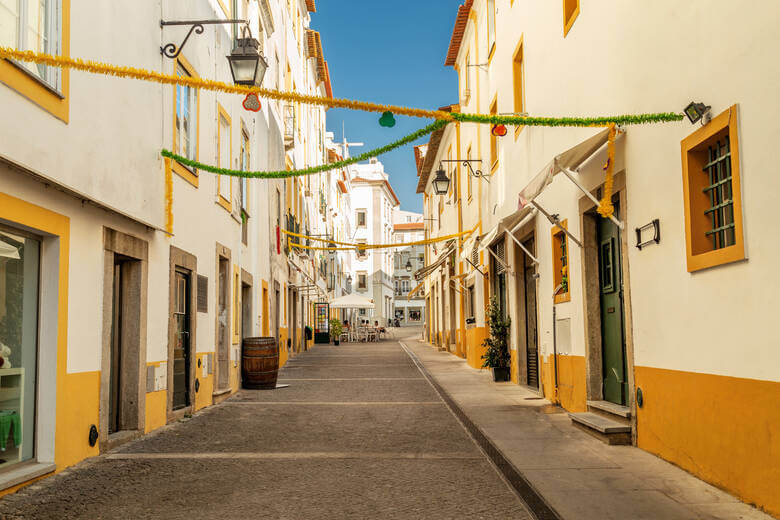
(467, 163)
(172, 51)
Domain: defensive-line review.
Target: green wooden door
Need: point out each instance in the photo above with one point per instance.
(612, 335)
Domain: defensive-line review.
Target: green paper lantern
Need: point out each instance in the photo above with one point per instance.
(387, 120)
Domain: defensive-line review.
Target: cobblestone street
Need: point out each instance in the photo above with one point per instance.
(359, 433)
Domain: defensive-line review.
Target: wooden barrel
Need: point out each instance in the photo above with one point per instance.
(259, 363)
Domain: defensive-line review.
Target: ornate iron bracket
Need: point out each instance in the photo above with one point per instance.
(467, 163)
(172, 51)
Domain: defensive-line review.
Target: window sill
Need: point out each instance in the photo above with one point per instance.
(25, 472)
(563, 298)
(718, 257)
(185, 173)
(222, 201)
(36, 90)
(518, 131)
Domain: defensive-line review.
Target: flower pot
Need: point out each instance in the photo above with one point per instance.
(500, 374)
(336, 342)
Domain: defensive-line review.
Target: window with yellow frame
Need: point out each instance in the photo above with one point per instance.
(491, 27)
(493, 139)
(224, 152)
(186, 123)
(518, 82)
(712, 194)
(469, 187)
(236, 305)
(571, 10)
(561, 268)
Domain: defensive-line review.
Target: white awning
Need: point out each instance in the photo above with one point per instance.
(571, 159)
(351, 301)
(468, 247)
(507, 223)
(420, 274)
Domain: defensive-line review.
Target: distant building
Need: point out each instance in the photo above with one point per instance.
(408, 303)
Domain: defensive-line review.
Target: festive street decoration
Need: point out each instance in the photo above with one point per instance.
(387, 120)
(280, 174)
(205, 84)
(363, 247)
(252, 103)
(498, 130)
(606, 209)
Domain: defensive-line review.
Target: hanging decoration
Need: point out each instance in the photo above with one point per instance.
(252, 103)
(280, 174)
(205, 84)
(387, 120)
(363, 247)
(606, 209)
(498, 130)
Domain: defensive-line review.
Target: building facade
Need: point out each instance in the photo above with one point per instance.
(408, 302)
(128, 281)
(373, 202)
(644, 319)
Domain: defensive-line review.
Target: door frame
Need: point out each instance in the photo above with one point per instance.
(136, 251)
(222, 253)
(182, 260)
(592, 302)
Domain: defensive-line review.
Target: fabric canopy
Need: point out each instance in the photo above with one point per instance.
(468, 247)
(571, 159)
(420, 274)
(351, 301)
(505, 224)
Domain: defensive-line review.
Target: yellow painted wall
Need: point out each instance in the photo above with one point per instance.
(78, 405)
(572, 394)
(235, 376)
(513, 368)
(474, 348)
(722, 429)
(156, 410)
(282, 346)
(203, 397)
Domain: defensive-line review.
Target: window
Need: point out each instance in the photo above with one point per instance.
(236, 305)
(33, 25)
(468, 175)
(712, 194)
(243, 187)
(362, 253)
(491, 27)
(19, 287)
(571, 9)
(362, 282)
(518, 82)
(361, 218)
(185, 131)
(560, 256)
(466, 80)
(493, 140)
(470, 301)
(224, 138)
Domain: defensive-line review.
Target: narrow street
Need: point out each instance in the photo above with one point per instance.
(359, 433)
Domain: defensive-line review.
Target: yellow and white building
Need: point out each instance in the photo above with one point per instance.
(671, 340)
(128, 281)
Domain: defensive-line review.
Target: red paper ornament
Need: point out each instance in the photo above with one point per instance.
(252, 103)
(498, 130)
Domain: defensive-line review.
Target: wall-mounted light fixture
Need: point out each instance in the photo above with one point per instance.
(467, 163)
(698, 111)
(441, 183)
(172, 51)
(247, 64)
(408, 266)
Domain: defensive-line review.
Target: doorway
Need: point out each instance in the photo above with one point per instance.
(115, 373)
(223, 324)
(277, 295)
(246, 309)
(613, 344)
(531, 332)
(182, 341)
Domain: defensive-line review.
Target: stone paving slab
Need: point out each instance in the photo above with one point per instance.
(579, 476)
(285, 489)
(349, 371)
(423, 428)
(345, 391)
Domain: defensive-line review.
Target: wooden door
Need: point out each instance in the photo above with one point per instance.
(115, 370)
(612, 320)
(223, 317)
(181, 346)
(531, 333)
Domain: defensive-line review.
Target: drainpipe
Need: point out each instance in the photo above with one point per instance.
(555, 342)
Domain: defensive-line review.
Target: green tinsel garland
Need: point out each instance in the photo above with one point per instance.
(664, 117)
(307, 171)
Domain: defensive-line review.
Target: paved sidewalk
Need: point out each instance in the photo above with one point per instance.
(578, 476)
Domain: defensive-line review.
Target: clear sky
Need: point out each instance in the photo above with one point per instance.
(389, 52)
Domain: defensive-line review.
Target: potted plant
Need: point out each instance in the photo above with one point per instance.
(496, 356)
(335, 330)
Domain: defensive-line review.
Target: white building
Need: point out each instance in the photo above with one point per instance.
(373, 202)
(409, 300)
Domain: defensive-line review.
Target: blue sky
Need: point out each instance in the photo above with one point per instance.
(390, 53)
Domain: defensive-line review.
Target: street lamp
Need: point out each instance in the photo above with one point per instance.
(696, 111)
(409, 266)
(441, 183)
(247, 65)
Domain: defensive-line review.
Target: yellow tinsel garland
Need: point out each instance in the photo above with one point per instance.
(606, 209)
(376, 246)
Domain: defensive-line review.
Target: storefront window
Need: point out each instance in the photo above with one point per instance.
(19, 272)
